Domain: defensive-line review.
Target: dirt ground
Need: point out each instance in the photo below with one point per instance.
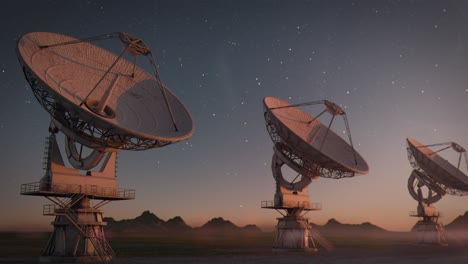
(409, 253)
(349, 248)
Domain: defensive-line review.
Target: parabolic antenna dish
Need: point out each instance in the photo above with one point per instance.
(437, 170)
(310, 144)
(98, 98)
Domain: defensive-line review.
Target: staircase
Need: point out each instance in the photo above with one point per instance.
(442, 234)
(315, 235)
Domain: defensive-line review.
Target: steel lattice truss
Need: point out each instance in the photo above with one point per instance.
(432, 184)
(103, 137)
(296, 157)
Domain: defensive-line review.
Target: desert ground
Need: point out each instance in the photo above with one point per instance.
(256, 249)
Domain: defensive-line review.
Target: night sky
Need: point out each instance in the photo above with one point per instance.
(398, 68)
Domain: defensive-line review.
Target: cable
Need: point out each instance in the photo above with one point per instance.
(348, 130)
(163, 89)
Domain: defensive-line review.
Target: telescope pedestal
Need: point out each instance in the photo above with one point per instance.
(78, 235)
(430, 232)
(293, 233)
(293, 230)
(428, 229)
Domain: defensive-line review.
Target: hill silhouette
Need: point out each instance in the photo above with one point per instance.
(149, 223)
(221, 226)
(333, 226)
(176, 224)
(459, 224)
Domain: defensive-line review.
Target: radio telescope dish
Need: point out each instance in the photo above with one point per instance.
(99, 99)
(102, 103)
(316, 147)
(436, 171)
(440, 177)
(312, 150)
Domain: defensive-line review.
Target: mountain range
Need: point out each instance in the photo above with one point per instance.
(149, 223)
(333, 226)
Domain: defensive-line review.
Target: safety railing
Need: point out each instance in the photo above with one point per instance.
(93, 190)
(291, 204)
(48, 209)
(30, 187)
(416, 214)
(266, 204)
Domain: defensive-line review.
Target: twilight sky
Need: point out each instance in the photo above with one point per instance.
(400, 69)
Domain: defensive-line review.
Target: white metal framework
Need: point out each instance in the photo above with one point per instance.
(438, 177)
(102, 103)
(312, 150)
